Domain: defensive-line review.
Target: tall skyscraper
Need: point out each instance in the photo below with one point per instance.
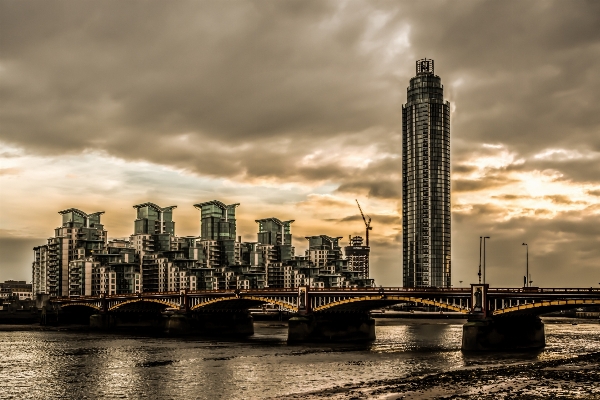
(426, 181)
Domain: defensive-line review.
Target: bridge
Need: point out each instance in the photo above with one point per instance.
(337, 314)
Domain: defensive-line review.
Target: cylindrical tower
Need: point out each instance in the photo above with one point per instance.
(426, 181)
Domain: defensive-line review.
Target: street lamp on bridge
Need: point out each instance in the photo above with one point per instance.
(526, 264)
(479, 273)
(485, 237)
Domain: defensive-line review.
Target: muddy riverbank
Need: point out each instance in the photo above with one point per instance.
(572, 378)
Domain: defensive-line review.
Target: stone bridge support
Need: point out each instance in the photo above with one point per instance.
(326, 327)
(504, 333)
(486, 332)
(215, 324)
(146, 322)
(225, 324)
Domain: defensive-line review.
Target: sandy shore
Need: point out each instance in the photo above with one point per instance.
(572, 378)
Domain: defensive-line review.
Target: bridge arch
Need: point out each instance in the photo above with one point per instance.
(373, 302)
(546, 306)
(165, 303)
(247, 301)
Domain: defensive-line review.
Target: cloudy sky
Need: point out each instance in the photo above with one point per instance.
(293, 109)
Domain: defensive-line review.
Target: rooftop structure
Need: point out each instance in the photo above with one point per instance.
(217, 220)
(153, 219)
(76, 218)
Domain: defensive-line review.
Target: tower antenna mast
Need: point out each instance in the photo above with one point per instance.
(367, 223)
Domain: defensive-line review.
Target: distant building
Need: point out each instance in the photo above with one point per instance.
(78, 238)
(218, 229)
(154, 220)
(275, 249)
(17, 290)
(217, 220)
(273, 231)
(358, 256)
(426, 181)
(154, 259)
(40, 276)
(154, 234)
(323, 250)
(116, 269)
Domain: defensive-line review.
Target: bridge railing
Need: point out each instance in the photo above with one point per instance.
(491, 291)
(543, 290)
(395, 289)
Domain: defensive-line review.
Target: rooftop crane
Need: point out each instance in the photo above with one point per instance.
(367, 223)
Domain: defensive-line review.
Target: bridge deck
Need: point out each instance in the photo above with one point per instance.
(498, 300)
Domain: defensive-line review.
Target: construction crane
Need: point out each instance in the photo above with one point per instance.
(367, 223)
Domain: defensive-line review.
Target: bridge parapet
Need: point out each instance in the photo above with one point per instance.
(480, 301)
(532, 300)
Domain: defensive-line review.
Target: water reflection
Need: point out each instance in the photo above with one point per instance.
(62, 365)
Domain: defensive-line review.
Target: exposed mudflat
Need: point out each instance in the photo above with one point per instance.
(572, 378)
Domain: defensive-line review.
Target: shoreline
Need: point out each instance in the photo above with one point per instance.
(573, 377)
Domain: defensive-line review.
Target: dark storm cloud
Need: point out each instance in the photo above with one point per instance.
(511, 197)
(473, 185)
(126, 76)
(385, 189)
(255, 86)
(256, 90)
(376, 219)
(561, 199)
(578, 170)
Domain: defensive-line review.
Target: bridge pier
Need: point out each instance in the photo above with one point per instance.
(220, 324)
(228, 324)
(504, 333)
(331, 327)
(102, 321)
(127, 322)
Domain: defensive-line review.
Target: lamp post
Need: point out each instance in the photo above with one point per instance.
(526, 264)
(485, 237)
(479, 274)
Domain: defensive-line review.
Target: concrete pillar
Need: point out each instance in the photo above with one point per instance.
(132, 322)
(232, 324)
(331, 328)
(178, 325)
(221, 324)
(504, 333)
(102, 321)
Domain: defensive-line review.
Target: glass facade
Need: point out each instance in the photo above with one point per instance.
(426, 181)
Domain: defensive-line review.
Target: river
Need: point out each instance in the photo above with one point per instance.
(80, 365)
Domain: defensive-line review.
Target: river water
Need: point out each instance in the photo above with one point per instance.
(77, 365)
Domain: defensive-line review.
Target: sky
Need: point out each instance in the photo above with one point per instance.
(293, 109)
